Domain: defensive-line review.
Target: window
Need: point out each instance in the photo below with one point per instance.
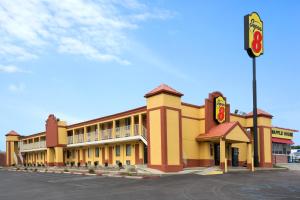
(278, 148)
(127, 121)
(89, 152)
(128, 150)
(117, 150)
(97, 152)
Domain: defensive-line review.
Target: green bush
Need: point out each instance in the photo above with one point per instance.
(92, 171)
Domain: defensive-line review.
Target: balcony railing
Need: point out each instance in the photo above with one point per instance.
(123, 131)
(70, 139)
(106, 134)
(144, 132)
(35, 145)
(120, 132)
(92, 136)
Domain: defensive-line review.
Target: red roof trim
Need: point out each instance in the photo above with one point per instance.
(282, 141)
(12, 133)
(163, 88)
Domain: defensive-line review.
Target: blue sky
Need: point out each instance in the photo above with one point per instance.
(85, 60)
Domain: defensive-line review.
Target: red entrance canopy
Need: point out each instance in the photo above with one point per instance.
(282, 141)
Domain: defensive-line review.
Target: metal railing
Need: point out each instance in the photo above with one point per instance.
(34, 145)
(136, 129)
(106, 134)
(70, 139)
(144, 132)
(120, 132)
(123, 131)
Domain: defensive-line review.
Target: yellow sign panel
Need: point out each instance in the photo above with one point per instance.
(253, 35)
(282, 133)
(220, 109)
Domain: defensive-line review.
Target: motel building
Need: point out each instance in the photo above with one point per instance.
(165, 134)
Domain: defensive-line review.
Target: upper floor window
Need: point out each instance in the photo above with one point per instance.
(117, 150)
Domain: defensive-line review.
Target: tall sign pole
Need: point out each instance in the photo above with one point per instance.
(253, 42)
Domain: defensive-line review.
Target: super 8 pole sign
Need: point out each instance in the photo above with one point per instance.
(253, 26)
(219, 111)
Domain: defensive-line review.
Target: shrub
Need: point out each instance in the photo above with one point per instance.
(91, 171)
(35, 170)
(96, 163)
(120, 164)
(66, 170)
(78, 164)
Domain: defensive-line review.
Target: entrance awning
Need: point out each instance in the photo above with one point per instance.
(282, 141)
(231, 131)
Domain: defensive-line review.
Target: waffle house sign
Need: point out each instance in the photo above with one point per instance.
(220, 108)
(253, 26)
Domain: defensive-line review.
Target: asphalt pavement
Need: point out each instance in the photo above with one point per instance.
(259, 185)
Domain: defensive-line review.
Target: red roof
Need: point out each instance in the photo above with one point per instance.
(163, 88)
(12, 133)
(220, 130)
(282, 141)
(260, 112)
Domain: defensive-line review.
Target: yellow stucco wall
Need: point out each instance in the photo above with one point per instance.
(242, 150)
(241, 120)
(236, 134)
(267, 145)
(155, 142)
(163, 100)
(173, 137)
(205, 151)
(62, 132)
(190, 111)
(190, 147)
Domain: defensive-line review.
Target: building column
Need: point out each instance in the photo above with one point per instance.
(222, 153)
(132, 126)
(84, 134)
(50, 156)
(114, 129)
(140, 125)
(250, 157)
(164, 134)
(73, 136)
(59, 156)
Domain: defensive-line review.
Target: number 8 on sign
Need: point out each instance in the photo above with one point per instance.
(257, 42)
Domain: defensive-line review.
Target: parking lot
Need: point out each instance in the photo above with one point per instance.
(261, 185)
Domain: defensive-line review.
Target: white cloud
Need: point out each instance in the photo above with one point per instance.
(96, 29)
(11, 69)
(16, 88)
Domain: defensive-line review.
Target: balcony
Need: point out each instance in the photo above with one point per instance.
(70, 139)
(123, 131)
(106, 134)
(92, 136)
(33, 146)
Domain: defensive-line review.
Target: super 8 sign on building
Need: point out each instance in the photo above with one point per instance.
(253, 35)
(220, 108)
